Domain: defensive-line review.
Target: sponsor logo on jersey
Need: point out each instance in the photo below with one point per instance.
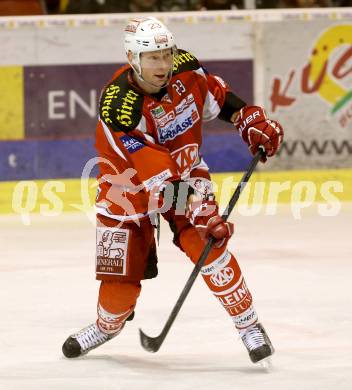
(182, 58)
(182, 122)
(110, 94)
(157, 112)
(111, 256)
(185, 158)
(170, 116)
(131, 144)
(157, 180)
(184, 104)
(124, 114)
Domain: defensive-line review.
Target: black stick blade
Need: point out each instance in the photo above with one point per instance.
(150, 344)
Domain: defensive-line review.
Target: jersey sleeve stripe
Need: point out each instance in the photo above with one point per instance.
(201, 165)
(111, 141)
(122, 218)
(149, 138)
(142, 125)
(201, 72)
(211, 107)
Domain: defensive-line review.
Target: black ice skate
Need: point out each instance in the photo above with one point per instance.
(85, 340)
(257, 342)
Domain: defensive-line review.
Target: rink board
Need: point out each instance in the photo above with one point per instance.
(298, 270)
(66, 158)
(293, 62)
(53, 196)
(58, 101)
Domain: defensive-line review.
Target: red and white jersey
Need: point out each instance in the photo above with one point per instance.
(144, 140)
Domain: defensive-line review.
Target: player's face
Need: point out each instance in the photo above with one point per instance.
(156, 66)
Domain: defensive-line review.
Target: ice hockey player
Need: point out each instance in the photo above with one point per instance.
(148, 139)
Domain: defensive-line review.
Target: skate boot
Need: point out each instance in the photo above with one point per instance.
(257, 342)
(85, 340)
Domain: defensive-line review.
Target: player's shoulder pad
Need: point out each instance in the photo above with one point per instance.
(184, 62)
(120, 105)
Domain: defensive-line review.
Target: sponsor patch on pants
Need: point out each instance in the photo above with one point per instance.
(111, 255)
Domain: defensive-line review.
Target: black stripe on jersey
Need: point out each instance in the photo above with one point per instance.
(184, 61)
(120, 105)
(232, 104)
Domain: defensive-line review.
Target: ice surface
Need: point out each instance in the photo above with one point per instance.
(299, 272)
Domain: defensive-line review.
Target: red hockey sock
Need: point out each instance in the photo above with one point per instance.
(224, 278)
(116, 303)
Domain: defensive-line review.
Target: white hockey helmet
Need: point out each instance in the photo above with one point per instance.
(146, 34)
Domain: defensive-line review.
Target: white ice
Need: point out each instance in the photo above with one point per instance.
(299, 272)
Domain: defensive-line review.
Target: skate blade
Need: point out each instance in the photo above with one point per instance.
(266, 364)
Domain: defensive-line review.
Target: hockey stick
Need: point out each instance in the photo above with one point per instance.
(152, 344)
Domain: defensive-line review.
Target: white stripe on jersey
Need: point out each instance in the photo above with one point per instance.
(201, 72)
(111, 140)
(201, 165)
(122, 218)
(149, 138)
(211, 108)
(142, 125)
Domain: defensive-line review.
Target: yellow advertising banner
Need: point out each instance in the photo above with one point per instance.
(11, 103)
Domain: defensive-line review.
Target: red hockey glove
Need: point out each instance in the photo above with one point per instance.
(203, 214)
(256, 130)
